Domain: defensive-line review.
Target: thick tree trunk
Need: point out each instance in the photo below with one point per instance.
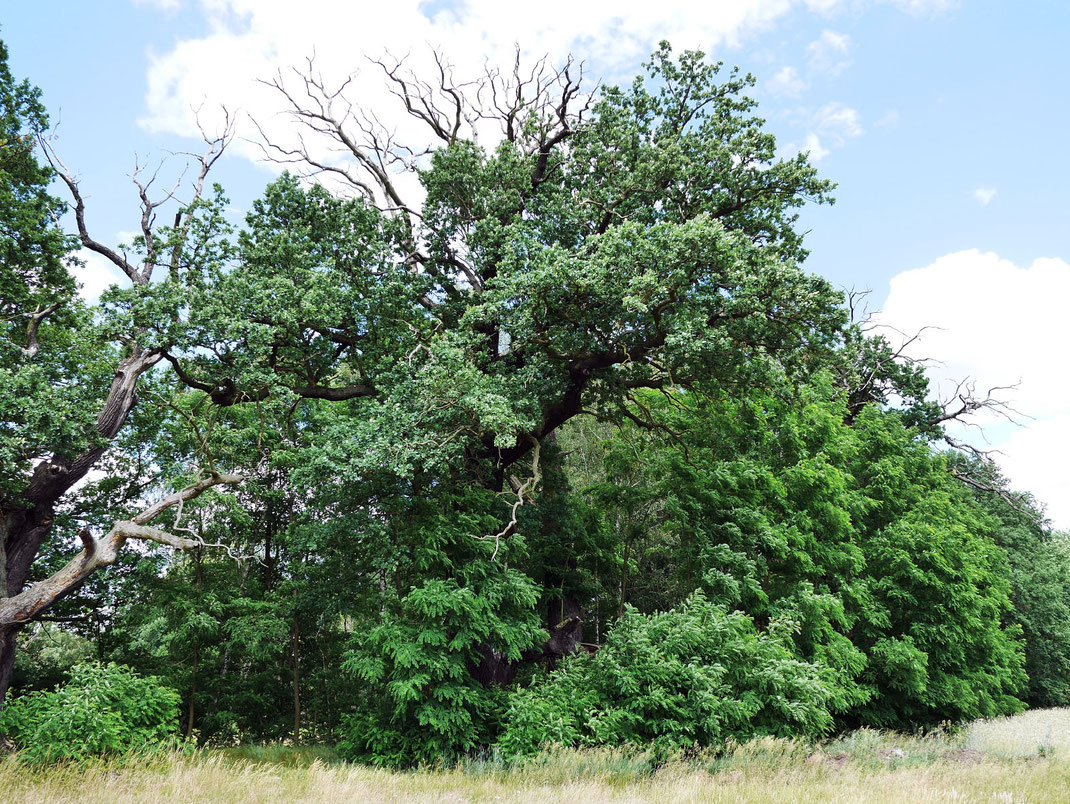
(7, 668)
(7, 660)
(27, 523)
(21, 536)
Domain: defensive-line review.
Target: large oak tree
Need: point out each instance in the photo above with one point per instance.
(638, 238)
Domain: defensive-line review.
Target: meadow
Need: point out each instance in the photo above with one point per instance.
(1020, 759)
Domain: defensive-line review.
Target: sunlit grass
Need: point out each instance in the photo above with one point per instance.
(1042, 731)
(1007, 760)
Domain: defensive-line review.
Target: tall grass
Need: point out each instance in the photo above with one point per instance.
(1008, 760)
(1044, 732)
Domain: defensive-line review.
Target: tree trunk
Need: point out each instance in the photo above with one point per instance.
(7, 660)
(26, 521)
(191, 712)
(295, 637)
(7, 667)
(21, 536)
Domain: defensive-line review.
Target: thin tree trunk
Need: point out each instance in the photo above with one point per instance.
(326, 686)
(295, 636)
(192, 710)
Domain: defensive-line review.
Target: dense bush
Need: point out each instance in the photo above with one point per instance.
(695, 675)
(785, 507)
(102, 709)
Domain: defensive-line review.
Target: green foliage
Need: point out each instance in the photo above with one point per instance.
(402, 386)
(787, 508)
(1038, 565)
(420, 702)
(103, 709)
(46, 655)
(43, 409)
(1040, 590)
(696, 675)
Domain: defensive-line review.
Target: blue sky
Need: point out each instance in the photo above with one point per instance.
(944, 124)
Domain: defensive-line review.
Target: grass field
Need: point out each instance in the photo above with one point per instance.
(1020, 759)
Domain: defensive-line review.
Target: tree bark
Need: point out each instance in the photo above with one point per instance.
(7, 661)
(27, 523)
(7, 668)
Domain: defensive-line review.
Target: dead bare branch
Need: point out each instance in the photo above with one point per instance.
(524, 491)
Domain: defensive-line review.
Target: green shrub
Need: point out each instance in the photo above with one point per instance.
(422, 704)
(102, 709)
(693, 676)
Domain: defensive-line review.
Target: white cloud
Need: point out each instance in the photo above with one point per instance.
(999, 324)
(823, 6)
(837, 121)
(926, 7)
(95, 276)
(830, 127)
(811, 145)
(829, 53)
(1032, 457)
(253, 39)
(786, 82)
(984, 195)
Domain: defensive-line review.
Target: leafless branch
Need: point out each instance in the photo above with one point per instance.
(524, 493)
(149, 205)
(537, 111)
(964, 401)
(990, 488)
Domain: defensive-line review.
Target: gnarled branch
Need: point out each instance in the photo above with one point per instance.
(97, 553)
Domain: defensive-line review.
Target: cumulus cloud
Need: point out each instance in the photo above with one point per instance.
(249, 40)
(1001, 325)
(1033, 457)
(829, 53)
(786, 82)
(95, 275)
(984, 195)
(837, 121)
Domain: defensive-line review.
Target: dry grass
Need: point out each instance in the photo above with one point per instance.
(1042, 731)
(1005, 760)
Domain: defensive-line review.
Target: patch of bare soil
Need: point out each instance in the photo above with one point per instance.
(965, 756)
